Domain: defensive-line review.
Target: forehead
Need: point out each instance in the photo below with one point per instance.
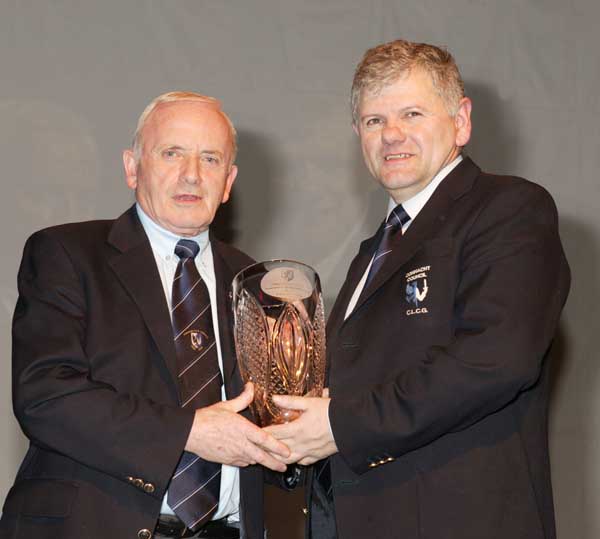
(186, 120)
(413, 87)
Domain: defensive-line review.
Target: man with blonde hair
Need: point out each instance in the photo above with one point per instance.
(434, 425)
(124, 373)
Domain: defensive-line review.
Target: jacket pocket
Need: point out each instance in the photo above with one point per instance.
(41, 498)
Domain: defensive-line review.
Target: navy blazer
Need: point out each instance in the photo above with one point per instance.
(94, 384)
(439, 377)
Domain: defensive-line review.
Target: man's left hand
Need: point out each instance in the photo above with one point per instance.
(309, 437)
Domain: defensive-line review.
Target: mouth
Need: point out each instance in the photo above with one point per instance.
(397, 156)
(186, 198)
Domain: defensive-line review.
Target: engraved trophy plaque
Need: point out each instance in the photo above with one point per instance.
(279, 329)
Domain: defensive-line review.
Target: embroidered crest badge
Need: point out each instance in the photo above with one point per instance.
(198, 339)
(416, 290)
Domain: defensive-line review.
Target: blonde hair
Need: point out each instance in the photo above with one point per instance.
(174, 97)
(384, 64)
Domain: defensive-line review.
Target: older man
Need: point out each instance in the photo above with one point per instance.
(435, 424)
(122, 342)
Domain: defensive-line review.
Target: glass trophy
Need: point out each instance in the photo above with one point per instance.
(279, 330)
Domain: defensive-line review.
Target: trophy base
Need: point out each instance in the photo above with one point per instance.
(268, 416)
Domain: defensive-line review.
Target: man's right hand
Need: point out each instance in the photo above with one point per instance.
(220, 434)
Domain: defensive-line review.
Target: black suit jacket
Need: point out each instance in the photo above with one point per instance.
(94, 384)
(439, 406)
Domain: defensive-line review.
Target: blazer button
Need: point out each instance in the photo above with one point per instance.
(129, 478)
(138, 483)
(144, 534)
(305, 511)
(149, 488)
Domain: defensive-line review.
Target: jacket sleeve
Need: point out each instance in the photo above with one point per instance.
(512, 285)
(57, 401)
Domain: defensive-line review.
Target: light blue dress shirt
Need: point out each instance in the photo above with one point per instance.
(163, 246)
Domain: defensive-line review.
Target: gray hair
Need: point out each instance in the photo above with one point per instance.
(384, 64)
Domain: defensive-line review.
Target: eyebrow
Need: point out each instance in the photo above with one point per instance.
(400, 110)
(186, 149)
(164, 147)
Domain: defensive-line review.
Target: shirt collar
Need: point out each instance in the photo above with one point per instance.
(415, 204)
(162, 240)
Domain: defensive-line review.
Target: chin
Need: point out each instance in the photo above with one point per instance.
(394, 182)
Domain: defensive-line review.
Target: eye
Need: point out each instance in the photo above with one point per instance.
(413, 114)
(211, 159)
(171, 153)
(372, 122)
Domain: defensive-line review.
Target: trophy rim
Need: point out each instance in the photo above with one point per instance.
(250, 266)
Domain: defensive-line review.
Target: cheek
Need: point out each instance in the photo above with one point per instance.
(214, 190)
(443, 138)
(157, 194)
(432, 144)
(369, 152)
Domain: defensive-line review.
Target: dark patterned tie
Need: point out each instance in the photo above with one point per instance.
(395, 221)
(393, 225)
(194, 489)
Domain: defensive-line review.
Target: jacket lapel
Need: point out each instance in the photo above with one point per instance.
(135, 267)
(425, 226)
(224, 275)
(355, 272)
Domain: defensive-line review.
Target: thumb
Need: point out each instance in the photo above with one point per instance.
(243, 400)
(291, 403)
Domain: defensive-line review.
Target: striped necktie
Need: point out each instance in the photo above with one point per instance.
(395, 221)
(393, 225)
(194, 489)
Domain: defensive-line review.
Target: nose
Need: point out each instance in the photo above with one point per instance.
(393, 132)
(192, 169)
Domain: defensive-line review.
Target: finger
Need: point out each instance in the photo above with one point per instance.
(273, 464)
(286, 460)
(243, 400)
(296, 457)
(282, 431)
(268, 460)
(291, 403)
(268, 443)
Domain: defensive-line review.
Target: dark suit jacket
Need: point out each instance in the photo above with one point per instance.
(94, 384)
(439, 407)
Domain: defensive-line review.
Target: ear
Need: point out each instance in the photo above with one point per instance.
(462, 122)
(229, 183)
(130, 166)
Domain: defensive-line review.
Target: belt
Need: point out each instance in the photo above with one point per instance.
(172, 526)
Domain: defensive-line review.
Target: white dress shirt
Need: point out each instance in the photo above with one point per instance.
(163, 246)
(412, 207)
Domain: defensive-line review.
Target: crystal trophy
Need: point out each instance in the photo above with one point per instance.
(279, 330)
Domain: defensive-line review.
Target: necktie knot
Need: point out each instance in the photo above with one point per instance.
(187, 249)
(392, 229)
(398, 217)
